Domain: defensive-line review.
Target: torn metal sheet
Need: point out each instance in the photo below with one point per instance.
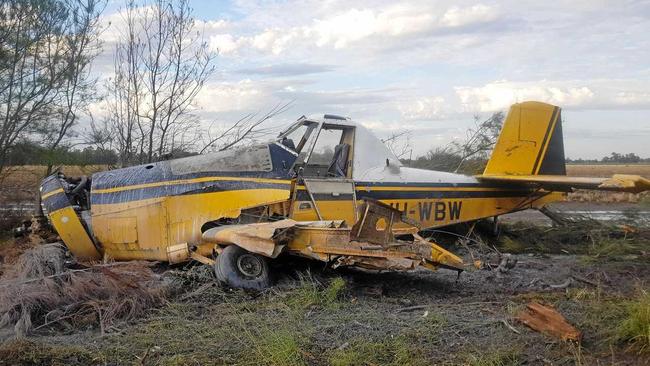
(377, 223)
(267, 239)
(547, 320)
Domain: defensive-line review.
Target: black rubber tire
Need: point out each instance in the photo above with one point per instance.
(228, 272)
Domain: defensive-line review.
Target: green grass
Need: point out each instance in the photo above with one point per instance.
(494, 358)
(310, 293)
(510, 245)
(390, 351)
(645, 200)
(635, 326)
(595, 241)
(26, 352)
(275, 347)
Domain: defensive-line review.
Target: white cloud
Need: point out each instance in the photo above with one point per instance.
(601, 93)
(457, 17)
(425, 108)
(224, 44)
(231, 96)
(346, 28)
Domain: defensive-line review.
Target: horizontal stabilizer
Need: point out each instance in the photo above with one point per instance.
(618, 182)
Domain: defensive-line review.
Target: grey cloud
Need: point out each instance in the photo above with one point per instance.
(329, 98)
(288, 69)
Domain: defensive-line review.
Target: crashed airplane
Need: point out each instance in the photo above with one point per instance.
(325, 189)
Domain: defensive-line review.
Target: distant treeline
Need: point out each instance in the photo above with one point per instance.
(613, 158)
(28, 153)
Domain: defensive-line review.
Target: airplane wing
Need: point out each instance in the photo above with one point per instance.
(562, 183)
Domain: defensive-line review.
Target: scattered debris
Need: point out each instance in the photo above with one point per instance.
(40, 291)
(562, 285)
(411, 308)
(505, 322)
(547, 320)
(507, 263)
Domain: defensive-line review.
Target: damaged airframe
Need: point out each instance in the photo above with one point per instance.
(326, 189)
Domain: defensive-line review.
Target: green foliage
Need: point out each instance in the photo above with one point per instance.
(635, 327)
(595, 240)
(311, 293)
(390, 351)
(25, 352)
(29, 153)
(468, 156)
(332, 293)
(276, 347)
(494, 358)
(613, 158)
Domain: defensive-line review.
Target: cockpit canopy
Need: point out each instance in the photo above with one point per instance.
(333, 146)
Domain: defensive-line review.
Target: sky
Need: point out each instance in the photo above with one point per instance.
(428, 67)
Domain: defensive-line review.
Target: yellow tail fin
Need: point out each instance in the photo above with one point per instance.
(530, 142)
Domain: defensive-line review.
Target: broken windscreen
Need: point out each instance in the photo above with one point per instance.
(295, 137)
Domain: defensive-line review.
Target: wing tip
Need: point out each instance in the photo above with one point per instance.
(627, 183)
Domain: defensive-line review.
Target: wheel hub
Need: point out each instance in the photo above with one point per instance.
(249, 265)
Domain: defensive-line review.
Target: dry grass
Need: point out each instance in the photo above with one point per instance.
(21, 183)
(38, 291)
(26, 352)
(605, 171)
(596, 240)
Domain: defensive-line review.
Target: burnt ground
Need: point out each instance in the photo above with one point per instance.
(354, 317)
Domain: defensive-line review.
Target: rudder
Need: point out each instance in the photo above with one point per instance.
(530, 143)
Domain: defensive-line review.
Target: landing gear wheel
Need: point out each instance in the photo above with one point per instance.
(239, 268)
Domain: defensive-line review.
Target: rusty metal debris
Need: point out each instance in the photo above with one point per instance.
(547, 320)
(364, 245)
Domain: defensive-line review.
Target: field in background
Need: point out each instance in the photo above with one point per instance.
(21, 183)
(607, 170)
(19, 191)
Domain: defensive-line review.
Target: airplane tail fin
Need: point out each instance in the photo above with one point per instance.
(530, 143)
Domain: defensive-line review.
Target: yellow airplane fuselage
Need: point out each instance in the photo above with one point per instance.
(158, 210)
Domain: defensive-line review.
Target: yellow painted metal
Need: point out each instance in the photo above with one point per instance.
(257, 238)
(178, 253)
(431, 213)
(50, 194)
(319, 242)
(74, 235)
(189, 181)
(144, 229)
(329, 209)
(202, 259)
(618, 182)
(523, 140)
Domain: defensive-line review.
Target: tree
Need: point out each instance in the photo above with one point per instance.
(43, 59)
(479, 140)
(630, 158)
(161, 64)
(399, 143)
(467, 156)
(79, 87)
(246, 128)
